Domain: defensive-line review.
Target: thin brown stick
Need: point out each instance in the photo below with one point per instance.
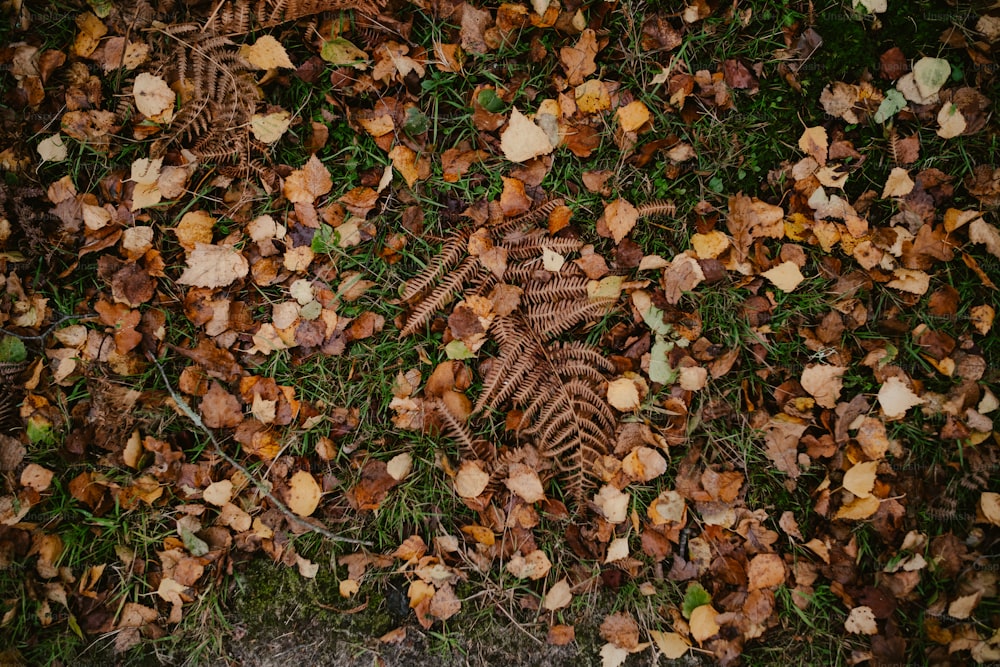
(262, 486)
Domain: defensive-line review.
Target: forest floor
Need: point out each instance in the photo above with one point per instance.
(462, 333)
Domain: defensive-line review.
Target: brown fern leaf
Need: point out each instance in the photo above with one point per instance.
(473, 447)
(241, 16)
(656, 207)
(452, 284)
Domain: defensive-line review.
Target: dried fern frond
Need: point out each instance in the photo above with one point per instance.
(474, 447)
(656, 207)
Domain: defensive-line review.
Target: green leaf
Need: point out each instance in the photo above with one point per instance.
(416, 122)
(194, 544)
(324, 240)
(653, 318)
(39, 431)
(339, 51)
(694, 597)
(891, 105)
(659, 368)
(74, 626)
(457, 349)
(930, 74)
(489, 100)
(12, 350)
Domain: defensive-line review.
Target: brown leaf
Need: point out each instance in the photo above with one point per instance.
(305, 185)
(561, 635)
(578, 60)
(765, 571)
(220, 409)
(621, 630)
(750, 219)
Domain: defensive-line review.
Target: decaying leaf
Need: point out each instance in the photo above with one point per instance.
(214, 266)
(523, 140)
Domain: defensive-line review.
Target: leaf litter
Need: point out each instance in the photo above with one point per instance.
(658, 498)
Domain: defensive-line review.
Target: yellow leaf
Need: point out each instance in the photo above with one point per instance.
(535, 565)
(592, 96)
(617, 550)
(303, 493)
(858, 509)
(669, 506)
(703, 623)
(404, 159)
(52, 149)
(218, 493)
(786, 276)
(268, 128)
(896, 398)
(399, 466)
(989, 505)
(522, 140)
(860, 479)
(643, 464)
(267, 53)
(823, 383)
(899, 183)
(671, 644)
(633, 116)
(552, 261)
(349, 588)
(304, 185)
(194, 227)
(710, 245)
(612, 503)
(814, 142)
(523, 481)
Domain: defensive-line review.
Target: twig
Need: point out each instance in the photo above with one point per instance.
(261, 485)
(49, 329)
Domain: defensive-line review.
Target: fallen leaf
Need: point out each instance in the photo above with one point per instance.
(671, 644)
(303, 493)
(858, 509)
(765, 571)
(471, 479)
(218, 493)
(613, 656)
(814, 142)
(623, 395)
(267, 53)
(621, 630)
(861, 620)
(305, 185)
(702, 623)
(989, 505)
(399, 466)
(523, 481)
(578, 60)
(612, 503)
(522, 140)
(152, 94)
(52, 148)
(633, 116)
(534, 566)
(620, 217)
(896, 398)
(860, 479)
(824, 383)
(214, 266)
(268, 128)
(643, 464)
(785, 276)
(558, 596)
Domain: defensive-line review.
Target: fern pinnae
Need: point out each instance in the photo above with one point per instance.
(473, 447)
(451, 285)
(448, 258)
